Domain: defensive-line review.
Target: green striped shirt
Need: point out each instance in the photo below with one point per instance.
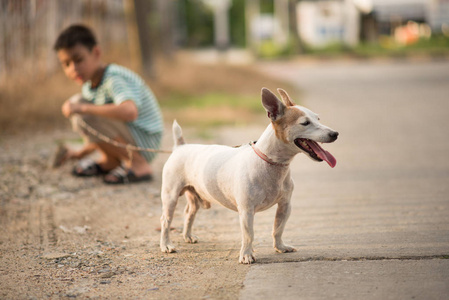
(120, 84)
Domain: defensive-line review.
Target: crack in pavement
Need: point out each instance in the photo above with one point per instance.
(361, 258)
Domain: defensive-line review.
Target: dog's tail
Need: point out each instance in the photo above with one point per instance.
(177, 134)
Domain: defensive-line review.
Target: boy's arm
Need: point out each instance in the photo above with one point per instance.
(125, 111)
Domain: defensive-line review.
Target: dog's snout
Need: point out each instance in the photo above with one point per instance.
(333, 135)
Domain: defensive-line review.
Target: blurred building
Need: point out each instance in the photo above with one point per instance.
(324, 22)
(393, 13)
(438, 15)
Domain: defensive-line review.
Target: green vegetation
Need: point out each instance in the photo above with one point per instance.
(237, 25)
(269, 50)
(212, 109)
(197, 20)
(386, 47)
(436, 45)
(213, 100)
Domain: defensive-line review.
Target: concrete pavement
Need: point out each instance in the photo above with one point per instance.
(376, 226)
(389, 279)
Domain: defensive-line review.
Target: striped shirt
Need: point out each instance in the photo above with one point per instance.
(120, 84)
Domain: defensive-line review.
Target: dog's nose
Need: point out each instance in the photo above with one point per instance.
(333, 134)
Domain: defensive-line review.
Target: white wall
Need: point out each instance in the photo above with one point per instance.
(325, 22)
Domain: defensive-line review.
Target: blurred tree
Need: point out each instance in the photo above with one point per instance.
(140, 35)
(195, 24)
(151, 29)
(266, 6)
(237, 23)
(295, 41)
(166, 26)
(199, 23)
(252, 9)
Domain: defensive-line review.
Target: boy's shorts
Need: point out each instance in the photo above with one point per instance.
(111, 128)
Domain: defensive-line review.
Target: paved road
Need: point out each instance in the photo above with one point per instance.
(376, 226)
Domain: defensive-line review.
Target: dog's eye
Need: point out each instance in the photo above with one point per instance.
(305, 123)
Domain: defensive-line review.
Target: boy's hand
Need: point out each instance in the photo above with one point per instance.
(69, 108)
(126, 111)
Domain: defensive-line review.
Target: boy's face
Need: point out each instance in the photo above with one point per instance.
(79, 63)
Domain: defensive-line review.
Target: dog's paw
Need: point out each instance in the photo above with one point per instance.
(191, 239)
(168, 248)
(246, 259)
(284, 248)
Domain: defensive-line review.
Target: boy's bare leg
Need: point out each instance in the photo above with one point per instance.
(111, 156)
(106, 162)
(137, 164)
(87, 149)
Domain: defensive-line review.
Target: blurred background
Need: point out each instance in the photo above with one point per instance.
(377, 71)
(200, 56)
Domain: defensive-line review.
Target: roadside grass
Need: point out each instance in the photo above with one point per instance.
(437, 45)
(213, 109)
(179, 102)
(205, 96)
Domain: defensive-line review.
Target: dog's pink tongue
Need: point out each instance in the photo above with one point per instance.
(323, 154)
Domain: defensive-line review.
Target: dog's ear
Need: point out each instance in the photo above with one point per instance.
(274, 107)
(286, 98)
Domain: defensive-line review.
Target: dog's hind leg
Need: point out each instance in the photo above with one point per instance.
(193, 204)
(169, 200)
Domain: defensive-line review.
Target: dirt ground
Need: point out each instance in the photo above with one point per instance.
(66, 237)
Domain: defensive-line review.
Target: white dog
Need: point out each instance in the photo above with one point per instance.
(246, 179)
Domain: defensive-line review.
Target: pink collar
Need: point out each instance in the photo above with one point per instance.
(264, 157)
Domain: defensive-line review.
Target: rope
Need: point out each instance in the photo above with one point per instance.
(130, 148)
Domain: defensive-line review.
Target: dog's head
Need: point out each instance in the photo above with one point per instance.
(298, 127)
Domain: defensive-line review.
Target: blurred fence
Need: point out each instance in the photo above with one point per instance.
(29, 28)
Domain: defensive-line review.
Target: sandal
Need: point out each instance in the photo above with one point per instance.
(123, 176)
(87, 168)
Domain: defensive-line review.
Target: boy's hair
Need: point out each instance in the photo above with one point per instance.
(73, 35)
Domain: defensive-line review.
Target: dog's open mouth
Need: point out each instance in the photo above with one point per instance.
(315, 151)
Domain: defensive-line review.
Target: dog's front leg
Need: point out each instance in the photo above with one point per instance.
(282, 214)
(246, 226)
